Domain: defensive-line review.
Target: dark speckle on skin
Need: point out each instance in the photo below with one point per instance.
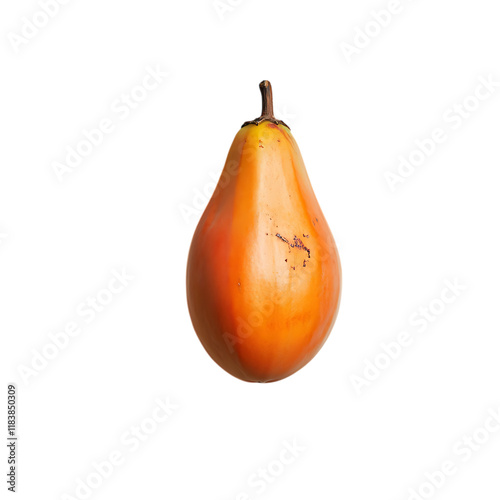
(305, 235)
(293, 267)
(282, 238)
(297, 243)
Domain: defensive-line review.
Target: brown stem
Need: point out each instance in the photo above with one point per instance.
(267, 106)
(267, 99)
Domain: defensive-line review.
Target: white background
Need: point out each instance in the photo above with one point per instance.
(124, 207)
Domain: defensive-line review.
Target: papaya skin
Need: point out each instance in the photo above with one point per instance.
(263, 274)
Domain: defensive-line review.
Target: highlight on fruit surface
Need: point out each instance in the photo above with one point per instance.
(263, 273)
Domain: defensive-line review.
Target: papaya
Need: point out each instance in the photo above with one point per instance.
(263, 271)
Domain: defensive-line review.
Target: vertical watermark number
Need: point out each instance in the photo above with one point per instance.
(11, 438)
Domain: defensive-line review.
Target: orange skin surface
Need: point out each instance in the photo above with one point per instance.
(263, 275)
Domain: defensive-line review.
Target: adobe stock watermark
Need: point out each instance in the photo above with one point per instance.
(418, 322)
(192, 210)
(32, 25)
(86, 312)
(223, 7)
(453, 119)
(365, 34)
(463, 449)
(121, 109)
(130, 441)
(262, 478)
(285, 114)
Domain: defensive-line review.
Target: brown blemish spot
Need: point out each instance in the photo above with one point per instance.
(286, 260)
(278, 140)
(293, 267)
(317, 219)
(267, 234)
(282, 238)
(297, 243)
(305, 235)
